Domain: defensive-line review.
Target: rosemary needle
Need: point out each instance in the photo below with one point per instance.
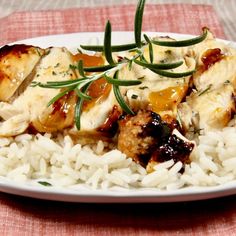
(115, 48)
(138, 23)
(125, 107)
(107, 44)
(163, 66)
(183, 43)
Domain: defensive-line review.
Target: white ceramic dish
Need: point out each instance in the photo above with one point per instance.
(83, 194)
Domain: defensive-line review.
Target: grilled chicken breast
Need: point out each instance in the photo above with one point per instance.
(223, 71)
(157, 93)
(163, 107)
(211, 109)
(17, 63)
(209, 43)
(30, 108)
(211, 105)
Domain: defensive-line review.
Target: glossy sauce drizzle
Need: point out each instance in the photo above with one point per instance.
(210, 57)
(99, 89)
(167, 99)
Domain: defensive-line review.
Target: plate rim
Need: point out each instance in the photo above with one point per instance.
(128, 196)
(143, 195)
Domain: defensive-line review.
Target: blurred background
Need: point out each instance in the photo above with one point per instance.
(225, 9)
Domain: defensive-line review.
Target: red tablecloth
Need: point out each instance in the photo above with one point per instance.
(24, 216)
(178, 18)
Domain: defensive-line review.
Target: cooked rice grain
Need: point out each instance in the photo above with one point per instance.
(62, 163)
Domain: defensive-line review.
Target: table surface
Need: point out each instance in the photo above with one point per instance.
(24, 216)
(226, 9)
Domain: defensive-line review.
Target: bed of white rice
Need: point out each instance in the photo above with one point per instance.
(61, 163)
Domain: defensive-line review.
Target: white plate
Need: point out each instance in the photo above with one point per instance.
(82, 194)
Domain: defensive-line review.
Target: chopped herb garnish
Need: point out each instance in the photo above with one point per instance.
(227, 82)
(168, 52)
(198, 131)
(54, 73)
(144, 87)
(47, 52)
(44, 183)
(58, 64)
(134, 96)
(205, 90)
(140, 78)
(73, 67)
(79, 51)
(39, 53)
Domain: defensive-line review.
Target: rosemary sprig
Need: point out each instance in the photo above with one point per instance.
(81, 85)
(44, 183)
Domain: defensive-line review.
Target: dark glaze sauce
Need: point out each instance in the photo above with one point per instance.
(168, 146)
(173, 148)
(210, 57)
(155, 141)
(16, 50)
(156, 128)
(110, 126)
